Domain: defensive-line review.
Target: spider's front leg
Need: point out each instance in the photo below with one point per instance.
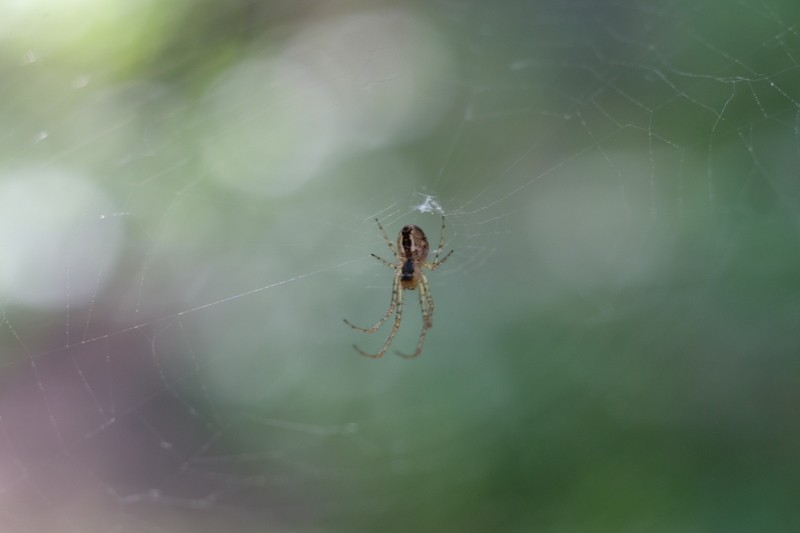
(436, 263)
(386, 238)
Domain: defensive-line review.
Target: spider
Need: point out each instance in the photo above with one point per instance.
(411, 253)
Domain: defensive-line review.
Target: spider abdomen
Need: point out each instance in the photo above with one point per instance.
(413, 244)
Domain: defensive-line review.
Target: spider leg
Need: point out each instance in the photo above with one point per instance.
(429, 300)
(435, 263)
(395, 328)
(386, 238)
(384, 261)
(424, 301)
(392, 305)
(441, 242)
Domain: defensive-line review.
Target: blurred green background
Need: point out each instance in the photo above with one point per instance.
(187, 202)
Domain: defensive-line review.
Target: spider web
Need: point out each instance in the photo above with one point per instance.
(185, 221)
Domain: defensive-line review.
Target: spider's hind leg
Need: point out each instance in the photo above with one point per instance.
(426, 306)
(396, 297)
(395, 328)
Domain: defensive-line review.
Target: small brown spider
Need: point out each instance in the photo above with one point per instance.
(411, 253)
